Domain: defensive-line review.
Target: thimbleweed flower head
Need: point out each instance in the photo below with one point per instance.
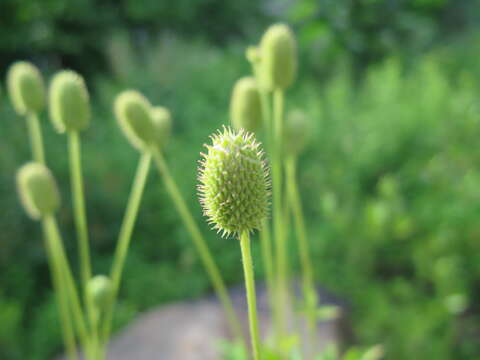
(99, 288)
(38, 190)
(26, 88)
(133, 112)
(296, 132)
(234, 182)
(69, 103)
(245, 105)
(162, 121)
(279, 57)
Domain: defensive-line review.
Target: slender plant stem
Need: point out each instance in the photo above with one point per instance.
(124, 237)
(80, 214)
(62, 297)
(266, 244)
(278, 214)
(251, 296)
(309, 293)
(36, 140)
(200, 244)
(67, 277)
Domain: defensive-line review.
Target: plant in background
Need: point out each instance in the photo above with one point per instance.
(234, 195)
(27, 94)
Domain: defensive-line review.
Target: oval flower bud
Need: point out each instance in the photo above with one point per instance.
(253, 54)
(133, 112)
(99, 288)
(26, 88)
(296, 132)
(38, 190)
(279, 57)
(69, 102)
(245, 105)
(234, 182)
(162, 121)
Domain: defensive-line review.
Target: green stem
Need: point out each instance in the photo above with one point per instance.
(251, 296)
(267, 257)
(200, 244)
(124, 237)
(36, 140)
(309, 293)
(278, 214)
(62, 297)
(67, 278)
(79, 211)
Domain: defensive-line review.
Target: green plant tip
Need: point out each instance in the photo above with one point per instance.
(99, 288)
(253, 54)
(69, 102)
(278, 57)
(38, 190)
(134, 116)
(162, 121)
(245, 105)
(234, 182)
(26, 88)
(296, 132)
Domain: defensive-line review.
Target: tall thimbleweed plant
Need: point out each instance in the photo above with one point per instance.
(27, 94)
(234, 195)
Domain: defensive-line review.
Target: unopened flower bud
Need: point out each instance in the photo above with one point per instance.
(133, 112)
(234, 182)
(253, 54)
(245, 105)
(279, 57)
(162, 121)
(69, 102)
(99, 288)
(38, 190)
(296, 132)
(26, 88)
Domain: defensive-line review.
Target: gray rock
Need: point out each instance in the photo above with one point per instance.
(193, 330)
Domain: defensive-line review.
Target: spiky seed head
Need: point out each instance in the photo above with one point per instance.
(278, 57)
(69, 102)
(162, 121)
(234, 185)
(38, 190)
(99, 288)
(133, 112)
(26, 88)
(296, 132)
(245, 105)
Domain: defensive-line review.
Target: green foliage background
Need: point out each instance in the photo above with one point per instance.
(389, 181)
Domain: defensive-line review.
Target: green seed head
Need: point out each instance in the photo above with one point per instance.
(245, 105)
(99, 288)
(26, 88)
(162, 121)
(234, 182)
(38, 190)
(133, 112)
(69, 103)
(279, 57)
(296, 132)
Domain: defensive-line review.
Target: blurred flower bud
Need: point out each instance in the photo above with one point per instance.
(234, 182)
(26, 88)
(279, 57)
(245, 105)
(296, 132)
(253, 54)
(38, 190)
(162, 121)
(69, 103)
(133, 112)
(99, 288)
